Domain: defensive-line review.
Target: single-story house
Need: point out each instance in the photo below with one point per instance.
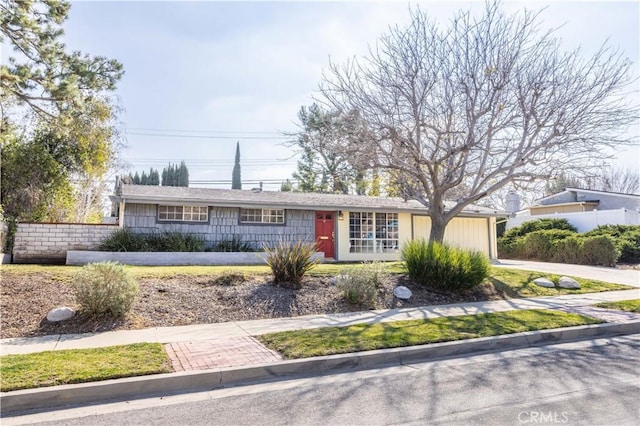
(585, 209)
(346, 227)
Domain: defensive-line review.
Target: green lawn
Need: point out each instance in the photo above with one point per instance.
(515, 283)
(363, 337)
(623, 305)
(52, 368)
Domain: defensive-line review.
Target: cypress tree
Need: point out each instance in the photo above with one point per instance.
(236, 179)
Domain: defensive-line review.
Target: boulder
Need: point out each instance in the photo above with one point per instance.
(60, 314)
(544, 282)
(566, 282)
(402, 292)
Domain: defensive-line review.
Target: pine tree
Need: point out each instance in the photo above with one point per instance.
(136, 179)
(236, 179)
(306, 175)
(286, 186)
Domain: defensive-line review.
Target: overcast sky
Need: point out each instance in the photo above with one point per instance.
(222, 72)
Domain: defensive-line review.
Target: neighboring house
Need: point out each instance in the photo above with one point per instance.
(346, 227)
(585, 209)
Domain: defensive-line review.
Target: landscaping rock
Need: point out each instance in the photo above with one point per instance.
(566, 282)
(338, 278)
(60, 314)
(402, 292)
(543, 282)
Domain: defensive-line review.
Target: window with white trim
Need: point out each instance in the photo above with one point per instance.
(183, 213)
(266, 216)
(371, 232)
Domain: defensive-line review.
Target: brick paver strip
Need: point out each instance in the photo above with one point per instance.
(228, 352)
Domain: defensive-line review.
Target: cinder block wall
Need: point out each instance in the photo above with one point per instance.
(49, 242)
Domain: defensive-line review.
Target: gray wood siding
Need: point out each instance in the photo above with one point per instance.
(224, 225)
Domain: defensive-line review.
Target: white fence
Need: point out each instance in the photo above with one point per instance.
(585, 221)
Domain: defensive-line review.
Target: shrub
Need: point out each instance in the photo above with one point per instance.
(539, 225)
(567, 250)
(360, 284)
(598, 250)
(444, 267)
(289, 262)
(105, 289)
(541, 245)
(174, 241)
(235, 244)
(125, 240)
(626, 237)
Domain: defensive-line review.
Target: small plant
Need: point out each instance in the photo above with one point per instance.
(230, 279)
(360, 284)
(105, 289)
(442, 267)
(289, 262)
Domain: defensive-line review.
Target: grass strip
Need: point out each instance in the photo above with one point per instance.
(53, 368)
(623, 305)
(517, 283)
(364, 337)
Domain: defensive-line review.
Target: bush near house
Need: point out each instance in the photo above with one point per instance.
(443, 267)
(123, 240)
(553, 241)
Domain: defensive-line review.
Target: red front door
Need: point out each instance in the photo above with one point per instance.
(324, 232)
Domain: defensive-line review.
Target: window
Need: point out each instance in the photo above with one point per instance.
(274, 216)
(373, 232)
(183, 213)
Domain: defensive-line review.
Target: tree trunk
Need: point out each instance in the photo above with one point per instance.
(438, 220)
(438, 226)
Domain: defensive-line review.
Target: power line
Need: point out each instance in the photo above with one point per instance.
(209, 137)
(248, 132)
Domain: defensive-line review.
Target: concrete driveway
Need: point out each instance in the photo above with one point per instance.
(612, 275)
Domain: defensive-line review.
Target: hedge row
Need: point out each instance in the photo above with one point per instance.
(555, 240)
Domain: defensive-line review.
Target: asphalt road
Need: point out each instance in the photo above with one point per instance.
(590, 383)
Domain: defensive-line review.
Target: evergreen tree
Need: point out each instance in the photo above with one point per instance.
(154, 177)
(374, 190)
(183, 175)
(236, 179)
(136, 179)
(286, 186)
(174, 175)
(306, 175)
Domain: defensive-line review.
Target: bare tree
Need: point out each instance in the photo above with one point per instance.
(626, 181)
(488, 101)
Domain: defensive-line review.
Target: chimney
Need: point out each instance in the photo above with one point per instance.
(512, 202)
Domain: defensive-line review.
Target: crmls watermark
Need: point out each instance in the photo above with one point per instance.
(543, 417)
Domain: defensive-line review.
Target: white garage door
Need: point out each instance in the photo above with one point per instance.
(465, 232)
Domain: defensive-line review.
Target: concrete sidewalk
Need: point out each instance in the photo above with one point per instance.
(246, 329)
(601, 273)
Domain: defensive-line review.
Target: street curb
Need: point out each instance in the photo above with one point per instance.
(190, 381)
